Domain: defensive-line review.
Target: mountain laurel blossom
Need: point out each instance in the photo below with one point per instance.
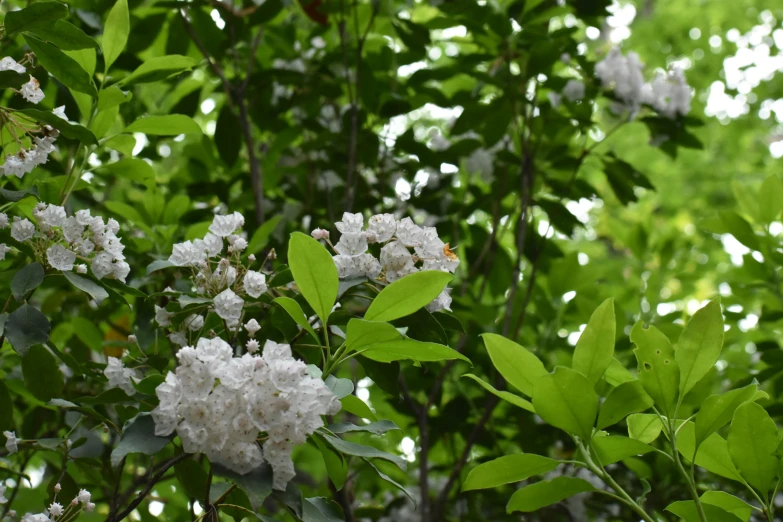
(395, 260)
(219, 404)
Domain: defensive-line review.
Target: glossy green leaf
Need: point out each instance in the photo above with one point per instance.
(614, 448)
(61, 66)
(336, 466)
(159, 68)
(64, 35)
(26, 280)
(407, 295)
(713, 454)
(771, 199)
(260, 237)
(257, 484)
(354, 405)
(376, 428)
(687, 510)
(314, 273)
(699, 346)
(508, 469)
(516, 400)
(42, 375)
(595, 347)
(752, 441)
(25, 327)
(644, 427)
(728, 503)
(296, 313)
(359, 450)
(84, 284)
(138, 436)
(409, 349)
(623, 400)
(717, 410)
(66, 128)
(658, 369)
(115, 33)
(320, 509)
(112, 96)
(167, 125)
(364, 334)
(566, 399)
(34, 15)
(517, 365)
(545, 493)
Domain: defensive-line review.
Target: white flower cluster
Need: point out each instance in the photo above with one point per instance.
(31, 91)
(219, 404)
(574, 90)
(669, 94)
(61, 239)
(11, 442)
(396, 260)
(56, 510)
(224, 279)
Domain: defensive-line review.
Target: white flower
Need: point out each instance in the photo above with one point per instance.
(254, 283)
(224, 226)
(35, 518)
(4, 223)
(119, 376)
(72, 229)
(53, 216)
(83, 217)
(60, 257)
(252, 346)
(252, 327)
(351, 243)
(162, 317)
(442, 302)
(80, 268)
(12, 441)
(396, 260)
(213, 245)
(55, 509)
(624, 75)
(362, 265)
(350, 223)
(3, 250)
(83, 496)
(89, 506)
(22, 229)
(121, 270)
(408, 232)
(482, 162)
(31, 91)
(194, 322)
(60, 112)
(228, 306)
(9, 64)
(383, 226)
(178, 338)
(102, 265)
(574, 90)
(186, 254)
(320, 233)
(555, 99)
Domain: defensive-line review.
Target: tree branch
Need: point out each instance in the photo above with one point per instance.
(150, 484)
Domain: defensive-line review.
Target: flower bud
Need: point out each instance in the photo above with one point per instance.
(132, 338)
(57, 487)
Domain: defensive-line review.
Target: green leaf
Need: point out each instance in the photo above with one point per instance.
(260, 237)
(739, 228)
(595, 348)
(159, 68)
(517, 365)
(717, 410)
(115, 33)
(138, 436)
(340, 387)
(61, 66)
(508, 469)
(336, 466)
(148, 384)
(26, 280)
(566, 399)
(34, 15)
(407, 295)
(752, 441)
(392, 482)
(687, 510)
(176, 208)
(376, 428)
(296, 313)
(363, 334)
(358, 450)
(625, 399)
(314, 273)
(713, 453)
(257, 484)
(192, 477)
(26, 327)
(617, 374)
(64, 35)
(6, 409)
(644, 427)
(545, 493)
(133, 169)
(320, 509)
(354, 405)
(112, 96)
(614, 448)
(771, 199)
(516, 400)
(84, 284)
(42, 375)
(658, 370)
(699, 346)
(728, 503)
(66, 128)
(17, 195)
(413, 350)
(168, 125)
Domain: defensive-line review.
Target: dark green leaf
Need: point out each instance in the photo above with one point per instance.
(26, 280)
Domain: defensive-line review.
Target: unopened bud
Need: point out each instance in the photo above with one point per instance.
(251, 258)
(320, 233)
(75, 501)
(57, 487)
(132, 338)
(272, 255)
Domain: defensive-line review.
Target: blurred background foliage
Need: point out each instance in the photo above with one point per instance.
(440, 110)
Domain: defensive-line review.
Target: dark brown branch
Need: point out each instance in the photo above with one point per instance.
(148, 487)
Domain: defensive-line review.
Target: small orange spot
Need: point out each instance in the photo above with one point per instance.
(449, 254)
